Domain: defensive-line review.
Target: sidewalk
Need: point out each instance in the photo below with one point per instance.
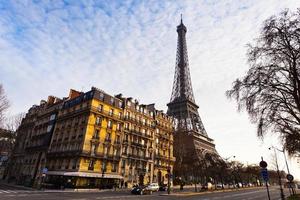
(21, 187)
(192, 193)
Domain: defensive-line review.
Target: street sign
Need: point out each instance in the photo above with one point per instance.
(263, 164)
(290, 177)
(265, 175)
(45, 170)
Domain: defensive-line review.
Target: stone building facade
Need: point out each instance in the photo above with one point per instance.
(93, 139)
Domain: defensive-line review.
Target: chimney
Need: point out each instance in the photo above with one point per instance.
(50, 100)
(73, 94)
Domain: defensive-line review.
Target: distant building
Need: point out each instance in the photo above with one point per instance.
(7, 139)
(91, 140)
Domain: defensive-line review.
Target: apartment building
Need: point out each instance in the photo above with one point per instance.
(93, 140)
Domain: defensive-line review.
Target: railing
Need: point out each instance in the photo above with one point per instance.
(107, 113)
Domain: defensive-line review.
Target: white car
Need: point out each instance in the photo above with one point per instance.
(153, 187)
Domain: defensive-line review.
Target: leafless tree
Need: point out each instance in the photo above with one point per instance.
(270, 90)
(4, 104)
(12, 123)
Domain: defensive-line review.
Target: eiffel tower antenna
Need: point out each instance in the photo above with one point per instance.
(180, 18)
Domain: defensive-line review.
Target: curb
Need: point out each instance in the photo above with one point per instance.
(208, 192)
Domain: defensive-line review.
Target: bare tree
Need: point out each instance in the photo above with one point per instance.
(12, 123)
(4, 104)
(270, 91)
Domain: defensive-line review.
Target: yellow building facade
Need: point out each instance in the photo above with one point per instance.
(95, 140)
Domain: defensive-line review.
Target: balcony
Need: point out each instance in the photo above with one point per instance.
(106, 113)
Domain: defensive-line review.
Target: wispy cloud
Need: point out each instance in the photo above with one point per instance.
(48, 47)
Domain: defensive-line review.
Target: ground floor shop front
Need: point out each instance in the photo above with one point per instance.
(58, 179)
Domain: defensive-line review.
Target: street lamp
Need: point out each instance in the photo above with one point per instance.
(278, 173)
(169, 167)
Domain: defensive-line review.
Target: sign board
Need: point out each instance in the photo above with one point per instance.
(263, 164)
(290, 177)
(264, 174)
(45, 170)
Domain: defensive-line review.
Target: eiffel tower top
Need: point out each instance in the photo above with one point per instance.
(182, 85)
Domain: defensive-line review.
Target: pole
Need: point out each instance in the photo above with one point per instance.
(279, 177)
(169, 169)
(287, 167)
(268, 190)
(266, 184)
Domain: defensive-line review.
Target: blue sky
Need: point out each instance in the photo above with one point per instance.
(129, 47)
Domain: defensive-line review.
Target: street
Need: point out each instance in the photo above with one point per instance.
(10, 192)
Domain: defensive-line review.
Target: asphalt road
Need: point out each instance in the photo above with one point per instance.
(11, 193)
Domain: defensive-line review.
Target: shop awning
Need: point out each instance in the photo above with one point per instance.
(85, 174)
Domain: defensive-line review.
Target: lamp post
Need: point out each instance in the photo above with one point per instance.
(169, 168)
(278, 173)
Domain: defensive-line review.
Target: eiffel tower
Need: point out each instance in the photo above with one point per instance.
(191, 141)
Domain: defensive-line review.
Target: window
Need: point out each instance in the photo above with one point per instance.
(120, 104)
(111, 112)
(114, 167)
(120, 115)
(118, 127)
(107, 137)
(52, 117)
(49, 128)
(112, 100)
(101, 96)
(123, 163)
(93, 149)
(126, 126)
(98, 121)
(109, 124)
(100, 107)
(96, 134)
(125, 150)
(103, 166)
(91, 165)
(128, 103)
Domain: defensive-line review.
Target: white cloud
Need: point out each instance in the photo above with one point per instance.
(47, 48)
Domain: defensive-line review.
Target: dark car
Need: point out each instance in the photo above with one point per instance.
(163, 187)
(141, 190)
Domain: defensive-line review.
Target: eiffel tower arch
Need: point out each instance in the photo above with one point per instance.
(191, 141)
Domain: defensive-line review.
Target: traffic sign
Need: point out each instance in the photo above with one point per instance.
(290, 177)
(45, 170)
(264, 173)
(263, 164)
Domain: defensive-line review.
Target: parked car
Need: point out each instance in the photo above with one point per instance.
(163, 187)
(153, 187)
(206, 186)
(141, 190)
